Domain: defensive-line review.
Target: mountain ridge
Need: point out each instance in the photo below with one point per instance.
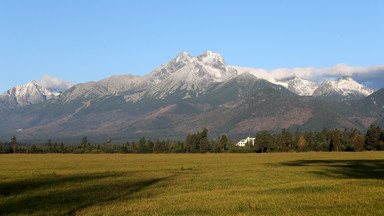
(181, 96)
(196, 73)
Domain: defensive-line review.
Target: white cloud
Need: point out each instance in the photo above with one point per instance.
(370, 76)
(55, 83)
(346, 70)
(280, 73)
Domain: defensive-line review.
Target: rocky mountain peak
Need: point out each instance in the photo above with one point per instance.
(207, 67)
(30, 93)
(345, 87)
(182, 57)
(299, 86)
(215, 60)
(33, 82)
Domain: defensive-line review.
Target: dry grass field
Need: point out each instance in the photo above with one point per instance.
(192, 184)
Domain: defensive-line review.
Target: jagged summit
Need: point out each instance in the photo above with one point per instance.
(183, 53)
(299, 86)
(345, 87)
(189, 73)
(215, 60)
(208, 67)
(30, 93)
(183, 56)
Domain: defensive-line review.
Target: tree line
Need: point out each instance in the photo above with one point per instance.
(285, 141)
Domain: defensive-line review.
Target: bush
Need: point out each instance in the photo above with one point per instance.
(78, 151)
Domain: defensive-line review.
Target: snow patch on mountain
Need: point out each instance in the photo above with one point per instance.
(190, 74)
(207, 67)
(299, 86)
(344, 86)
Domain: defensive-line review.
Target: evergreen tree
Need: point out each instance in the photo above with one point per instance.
(346, 140)
(157, 146)
(223, 143)
(163, 147)
(55, 147)
(84, 142)
(320, 144)
(336, 140)
(133, 146)
(127, 148)
(296, 139)
(49, 145)
(327, 136)
(263, 141)
(309, 141)
(62, 148)
(198, 142)
(192, 142)
(381, 143)
(149, 145)
(142, 148)
(204, 144)
(286, 140)
(180, 147)
(372, 138)
(14, 144)
(33, 149)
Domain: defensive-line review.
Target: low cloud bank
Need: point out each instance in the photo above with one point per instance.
(369, 76)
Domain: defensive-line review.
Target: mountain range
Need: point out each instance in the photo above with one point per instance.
(183, 96)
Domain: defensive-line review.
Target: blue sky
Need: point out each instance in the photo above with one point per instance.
(83, 41)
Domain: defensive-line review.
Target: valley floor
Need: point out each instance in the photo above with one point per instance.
(193, 184)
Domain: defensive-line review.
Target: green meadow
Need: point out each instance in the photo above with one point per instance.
(193, 184)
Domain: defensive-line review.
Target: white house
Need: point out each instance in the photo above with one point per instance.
(245, 141)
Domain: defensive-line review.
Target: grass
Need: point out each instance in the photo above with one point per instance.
(193, 184)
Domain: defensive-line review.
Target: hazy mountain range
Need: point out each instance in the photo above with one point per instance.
(182, 96)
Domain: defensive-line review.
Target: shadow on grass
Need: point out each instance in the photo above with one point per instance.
(358, 169)
(49, 180)
(66, 195)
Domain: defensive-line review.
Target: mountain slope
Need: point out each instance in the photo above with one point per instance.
(373, 105)
(273, 109)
